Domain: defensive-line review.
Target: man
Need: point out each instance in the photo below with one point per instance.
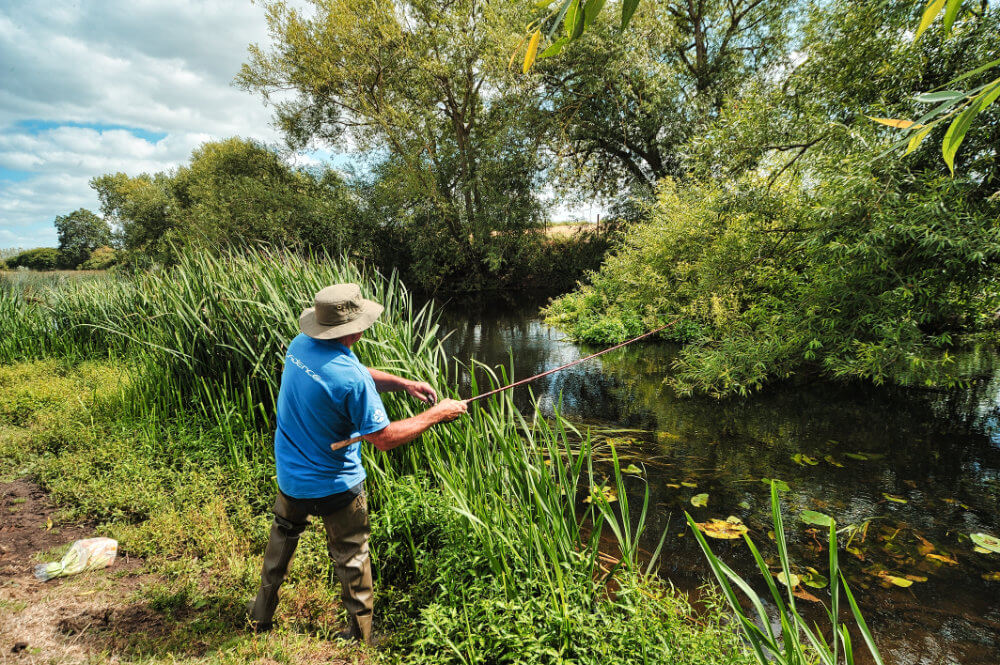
(326, 396)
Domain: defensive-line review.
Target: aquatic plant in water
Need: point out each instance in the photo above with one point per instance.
(798, 643)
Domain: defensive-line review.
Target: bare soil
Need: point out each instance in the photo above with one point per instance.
(101, 616)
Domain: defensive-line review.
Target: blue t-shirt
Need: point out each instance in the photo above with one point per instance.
(326, 396)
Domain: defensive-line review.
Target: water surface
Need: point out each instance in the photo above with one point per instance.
(921, 467)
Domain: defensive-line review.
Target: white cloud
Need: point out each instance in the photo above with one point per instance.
(130, 73)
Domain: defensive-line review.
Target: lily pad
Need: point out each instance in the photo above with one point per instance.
(699, 500)
(815, 518)
(814, 578)
(901, 582)
(609, 494)
(792, 581)
(804, 460)
(986, 541)
(633, 469)
(894, 499)
(781, 485)
(728, 529)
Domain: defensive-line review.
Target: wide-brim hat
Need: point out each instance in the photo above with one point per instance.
(337, 311)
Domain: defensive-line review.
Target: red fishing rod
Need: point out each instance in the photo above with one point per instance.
(343, 444)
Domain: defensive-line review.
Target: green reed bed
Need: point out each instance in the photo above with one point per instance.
(484, 549)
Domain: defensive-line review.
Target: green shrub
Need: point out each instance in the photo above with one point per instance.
(101, 258)
(43, 258)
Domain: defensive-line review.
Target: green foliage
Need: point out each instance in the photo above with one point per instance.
(456, 156)
(101, 258)
(43, 258)
(233, 193)
(798, 642)
(793, 249)
(620, 106)
(80, 233)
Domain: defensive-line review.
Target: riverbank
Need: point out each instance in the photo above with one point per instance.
(145, 409)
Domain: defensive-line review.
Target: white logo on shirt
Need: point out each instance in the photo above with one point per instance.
(378, 416)
(305, 368)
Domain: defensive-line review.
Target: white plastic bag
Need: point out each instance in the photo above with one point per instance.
(88, 554)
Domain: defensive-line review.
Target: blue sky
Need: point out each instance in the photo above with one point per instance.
(100, 87)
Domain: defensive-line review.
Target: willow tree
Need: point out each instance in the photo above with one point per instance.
(422, 86)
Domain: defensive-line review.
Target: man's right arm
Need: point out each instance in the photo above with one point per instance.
(403, 431)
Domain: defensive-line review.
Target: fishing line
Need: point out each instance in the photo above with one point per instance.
(343, 444)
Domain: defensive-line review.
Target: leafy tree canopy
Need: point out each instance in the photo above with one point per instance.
(795, 245)
(81, 232)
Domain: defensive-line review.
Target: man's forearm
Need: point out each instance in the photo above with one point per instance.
(387, 383)
(403, 431)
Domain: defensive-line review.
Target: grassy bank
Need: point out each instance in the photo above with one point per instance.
(145, 403)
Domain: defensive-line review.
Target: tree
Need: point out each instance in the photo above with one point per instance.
(231, 193)
(81, 232)
(625, 103)
(792, 247)
(421, 85)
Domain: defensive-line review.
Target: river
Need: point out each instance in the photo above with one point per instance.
(920, 467)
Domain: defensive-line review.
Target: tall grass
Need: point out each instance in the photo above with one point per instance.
(520, 568)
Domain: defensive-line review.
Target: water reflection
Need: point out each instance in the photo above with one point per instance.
(921, 467)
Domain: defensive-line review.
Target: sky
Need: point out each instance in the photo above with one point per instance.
(99, 86)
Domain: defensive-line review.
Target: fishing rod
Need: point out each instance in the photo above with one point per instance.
(346, 442)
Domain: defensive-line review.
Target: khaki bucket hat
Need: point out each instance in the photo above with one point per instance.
(339, 310)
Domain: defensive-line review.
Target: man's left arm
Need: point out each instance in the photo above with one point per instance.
(387, 383)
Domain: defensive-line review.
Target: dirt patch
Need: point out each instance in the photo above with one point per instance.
(31, 611)
(125, 611)
(27, 527)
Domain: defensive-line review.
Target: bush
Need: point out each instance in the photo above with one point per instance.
(43, 258)
(101, 258)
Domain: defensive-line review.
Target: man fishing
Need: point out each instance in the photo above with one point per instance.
(326, 396)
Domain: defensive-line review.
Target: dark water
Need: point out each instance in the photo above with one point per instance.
(939, 451)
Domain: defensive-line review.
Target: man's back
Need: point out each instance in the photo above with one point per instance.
(326, 395)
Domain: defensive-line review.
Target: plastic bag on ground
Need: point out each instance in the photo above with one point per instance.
(87, 554)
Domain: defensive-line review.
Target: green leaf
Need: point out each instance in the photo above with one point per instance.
(591, 10)
(790, 580)
(916, 139)
(894, 499)
(803, 460)
(633, 469)
(930, 13)
(958, 128)
(950, 14)
(570, 22)
(554, 48)
(781, 485)
(943, 96)
(977, 70)
(857, 456)
(986, 541)
(628, 8)
(816, 518)
(814, 578)
(699, 500)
